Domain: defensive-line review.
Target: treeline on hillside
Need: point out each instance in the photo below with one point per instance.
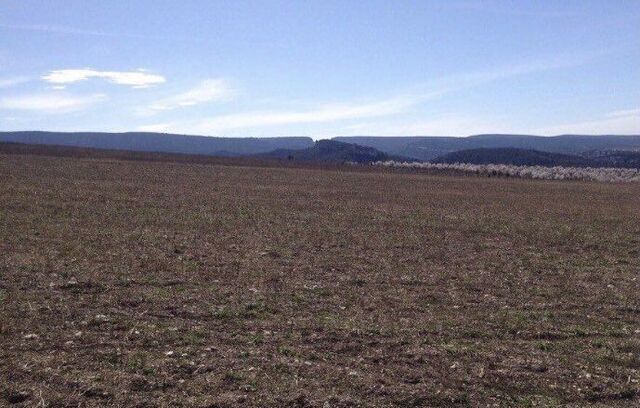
(333, 151)
(524, 157)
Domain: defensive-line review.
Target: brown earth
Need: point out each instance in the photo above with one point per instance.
(163, 283)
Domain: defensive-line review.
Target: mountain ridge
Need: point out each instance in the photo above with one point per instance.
(431, 147)
(422, 148)
(159, 142)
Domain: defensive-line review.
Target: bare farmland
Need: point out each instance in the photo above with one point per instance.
(138, 283)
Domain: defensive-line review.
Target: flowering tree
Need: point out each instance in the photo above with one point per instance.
(605, 174)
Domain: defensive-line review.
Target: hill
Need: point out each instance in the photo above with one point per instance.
(513, 156)
(160, 142)
(332, 151)
(430, 147)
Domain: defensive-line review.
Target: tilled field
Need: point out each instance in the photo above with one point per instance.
(133, 283)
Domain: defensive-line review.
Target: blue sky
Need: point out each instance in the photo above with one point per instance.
(321, 68)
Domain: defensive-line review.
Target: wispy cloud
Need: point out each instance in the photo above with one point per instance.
(623, 113)
(9, 82)
(208, 90)
(158, 127)
(456, 82)
(135, 79)
(619, 122)
(321, 114)
(493, 7)
(50, 103)
(338, 112)
(444, 125)
(60, 29)
(52, 28)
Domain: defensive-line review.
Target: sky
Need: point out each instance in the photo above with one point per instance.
(321, 68)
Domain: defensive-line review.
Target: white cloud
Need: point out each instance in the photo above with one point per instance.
(50, 103)
(9, 82)
(206, 91)
(135, 79)
(620, 122)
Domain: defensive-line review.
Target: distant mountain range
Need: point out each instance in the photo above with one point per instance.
(161, 142)
(430, 147)
(565, 150)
